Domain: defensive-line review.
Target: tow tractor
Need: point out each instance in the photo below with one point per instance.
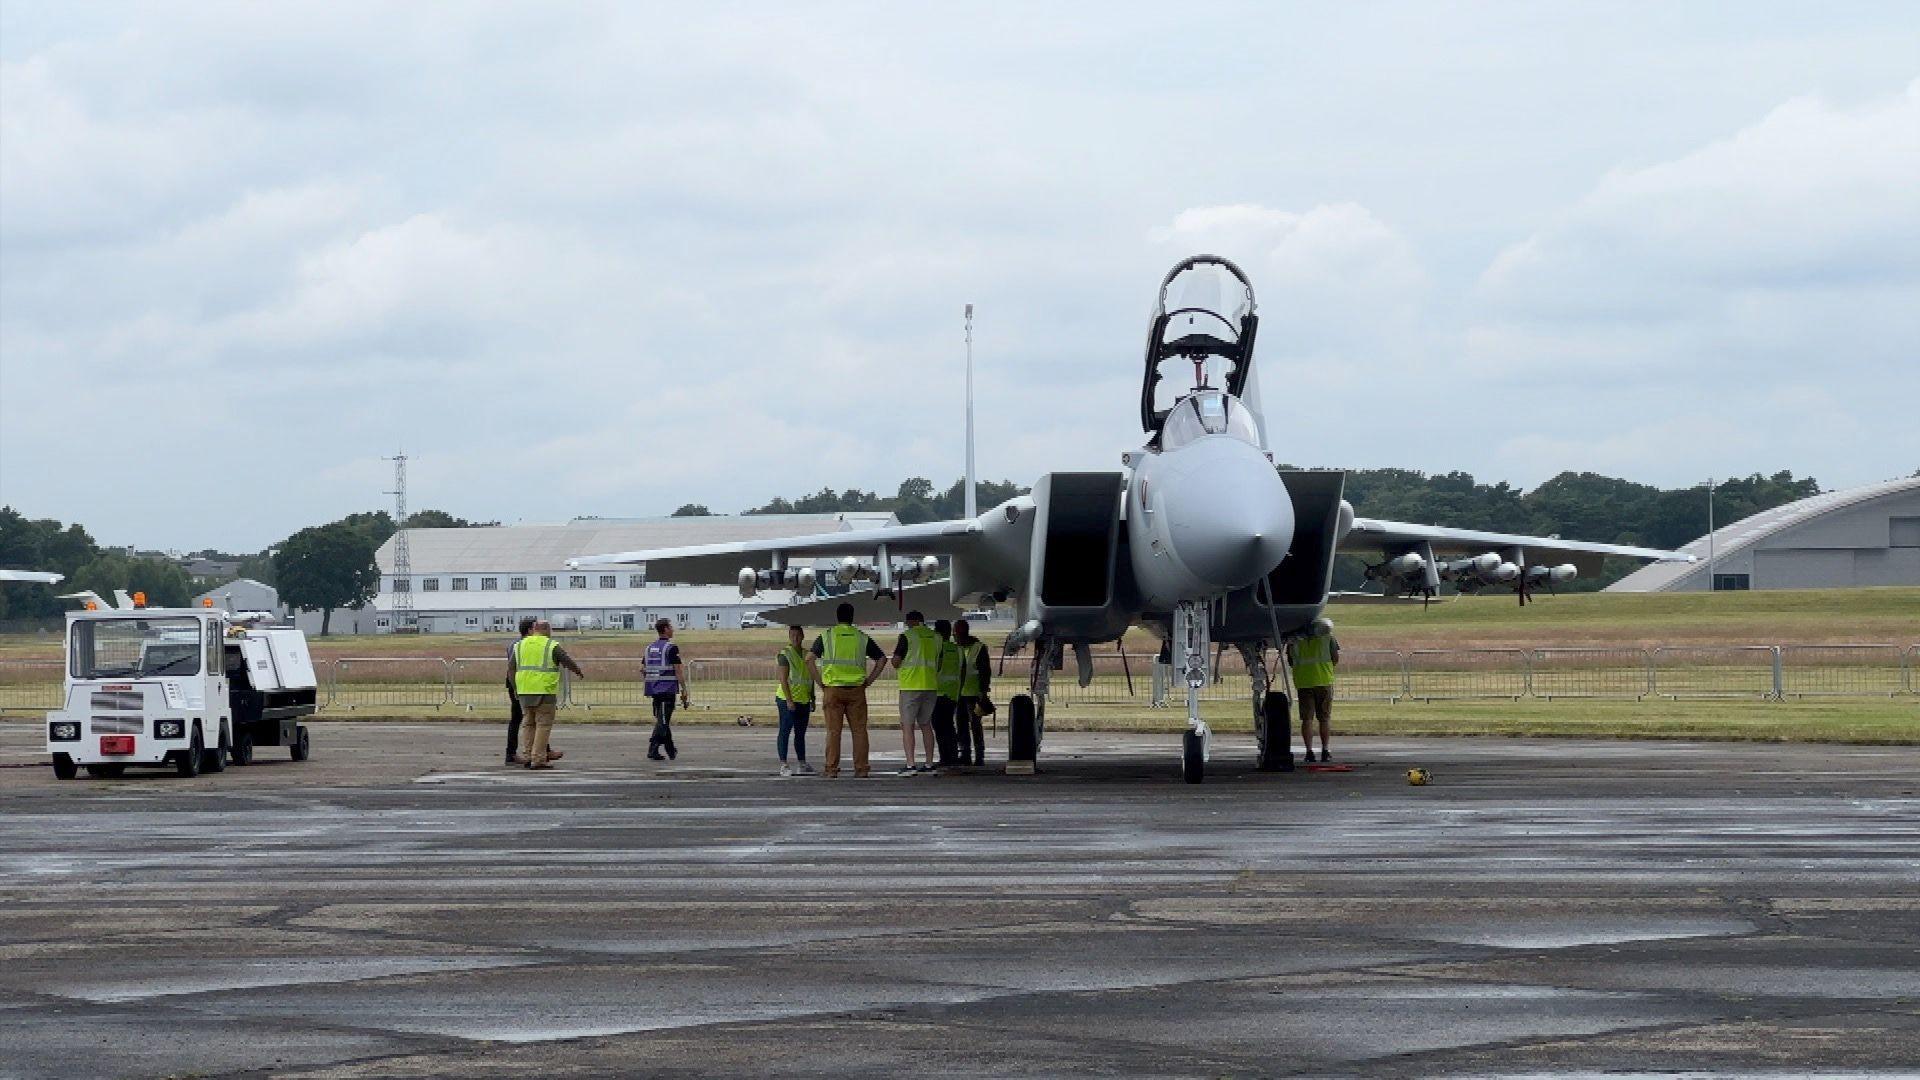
(194, 688)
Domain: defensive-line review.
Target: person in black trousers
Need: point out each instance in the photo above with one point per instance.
(513, 699)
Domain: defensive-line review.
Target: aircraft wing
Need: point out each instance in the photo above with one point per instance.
(719, 564)
(1374, 534)
(37, 576)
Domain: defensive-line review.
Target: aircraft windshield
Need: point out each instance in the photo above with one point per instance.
(1206, 303)
(135, 648)
(1207, 413)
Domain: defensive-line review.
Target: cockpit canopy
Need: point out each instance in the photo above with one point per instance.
(1207, 412)
(1201, 335)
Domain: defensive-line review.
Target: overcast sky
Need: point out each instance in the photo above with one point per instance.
(607, 259)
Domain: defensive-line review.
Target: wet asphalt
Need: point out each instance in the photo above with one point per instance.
(403, 905)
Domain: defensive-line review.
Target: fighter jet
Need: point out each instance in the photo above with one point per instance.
(1199, 537)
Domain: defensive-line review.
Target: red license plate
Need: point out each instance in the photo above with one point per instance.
(116, 744)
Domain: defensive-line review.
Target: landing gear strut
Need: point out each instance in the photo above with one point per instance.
(1272, 719)
(1190, 660)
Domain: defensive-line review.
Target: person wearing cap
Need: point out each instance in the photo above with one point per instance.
(947, 705)
(1313, 659)
(976, 678)
(916, 656)
(848, 662)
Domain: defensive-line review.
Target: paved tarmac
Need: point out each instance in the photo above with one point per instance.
(402, 905)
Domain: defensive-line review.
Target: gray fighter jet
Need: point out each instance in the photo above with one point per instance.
(1199, 537)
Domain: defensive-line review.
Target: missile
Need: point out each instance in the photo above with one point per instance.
(848, 570)
(1406, 565)
(1554, 575)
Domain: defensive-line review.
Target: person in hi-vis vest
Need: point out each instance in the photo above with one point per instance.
(1313, 658)
(537, 661)
(849, 662)
(666, 679)
(793, 697)
(916, 656)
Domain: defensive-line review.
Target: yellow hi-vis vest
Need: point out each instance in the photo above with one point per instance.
(534, 669)
(919, 669)
(798, 680)
(1313, 662)
(970, 668)
(950, 671)
(843, 655)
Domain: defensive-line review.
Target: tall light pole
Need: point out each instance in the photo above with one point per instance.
(1711, 583)
(971, 509)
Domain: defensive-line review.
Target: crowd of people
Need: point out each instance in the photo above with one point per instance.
(944, 674)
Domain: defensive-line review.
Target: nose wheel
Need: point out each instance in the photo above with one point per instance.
(1194, 757)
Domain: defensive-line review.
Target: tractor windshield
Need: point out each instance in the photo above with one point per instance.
(135, 648)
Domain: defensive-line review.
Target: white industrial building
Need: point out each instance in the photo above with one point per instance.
(1859, 537)
(485, 579)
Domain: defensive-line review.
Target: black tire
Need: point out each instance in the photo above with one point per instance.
(1023, 729)
(1276, 733)
(216, 759)
(243, 746)
(301, 748)
(106, 771)
(1193, 757)
(187, 762)
(64, 768)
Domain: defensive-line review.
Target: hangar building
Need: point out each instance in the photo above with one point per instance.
(1840, 539)
(484, 579)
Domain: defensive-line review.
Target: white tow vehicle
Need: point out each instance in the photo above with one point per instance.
(193, 688)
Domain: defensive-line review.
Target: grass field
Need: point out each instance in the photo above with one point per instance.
(1889, 616)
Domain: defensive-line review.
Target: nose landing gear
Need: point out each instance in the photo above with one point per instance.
(1190, 658)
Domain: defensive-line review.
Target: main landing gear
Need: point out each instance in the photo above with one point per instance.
(1190, 660)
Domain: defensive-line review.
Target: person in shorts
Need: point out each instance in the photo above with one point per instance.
(916, 656)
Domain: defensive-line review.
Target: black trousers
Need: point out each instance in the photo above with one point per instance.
(969, 734)
(513, 725)
(662, 726)
(944, 708)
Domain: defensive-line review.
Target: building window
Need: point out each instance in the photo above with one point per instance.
(551, 581)
(473, 620)
(401, 584)
(379, 622)
(499, 620)
(1731, 583)
(713, 620)
(607, 581)
(680, 620)
(577, 581)
(518, 584)
(431, 584)
(489, 584)
(458, 584)
(635, 581)
(1903, 532)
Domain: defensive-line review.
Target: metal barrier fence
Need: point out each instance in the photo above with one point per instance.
(30, 686)
(1845, 670)
(1590, 673)
(1717, 671)
(1756, 672)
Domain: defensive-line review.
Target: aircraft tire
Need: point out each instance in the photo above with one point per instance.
(64, 768)
(1276, 733)
(1194, 757)
(106, 771)
(1023, 729)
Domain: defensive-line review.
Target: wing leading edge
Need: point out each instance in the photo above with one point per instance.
(1374, 534)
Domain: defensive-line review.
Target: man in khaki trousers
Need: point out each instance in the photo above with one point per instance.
(849, 662)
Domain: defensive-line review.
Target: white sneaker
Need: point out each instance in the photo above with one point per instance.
(785, 771)
(804, 769)
(908, 771)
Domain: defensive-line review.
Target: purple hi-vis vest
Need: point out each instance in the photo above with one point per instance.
(660, 676)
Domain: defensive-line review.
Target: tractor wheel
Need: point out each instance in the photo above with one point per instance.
(187, 762)
(64, 768)
(243, 746)
(301, 748)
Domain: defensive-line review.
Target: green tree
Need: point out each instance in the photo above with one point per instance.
(327, 567)
(692, 510)
(163, 581)
(40, 544)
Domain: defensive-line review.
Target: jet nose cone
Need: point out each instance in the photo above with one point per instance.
(1230, 519)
